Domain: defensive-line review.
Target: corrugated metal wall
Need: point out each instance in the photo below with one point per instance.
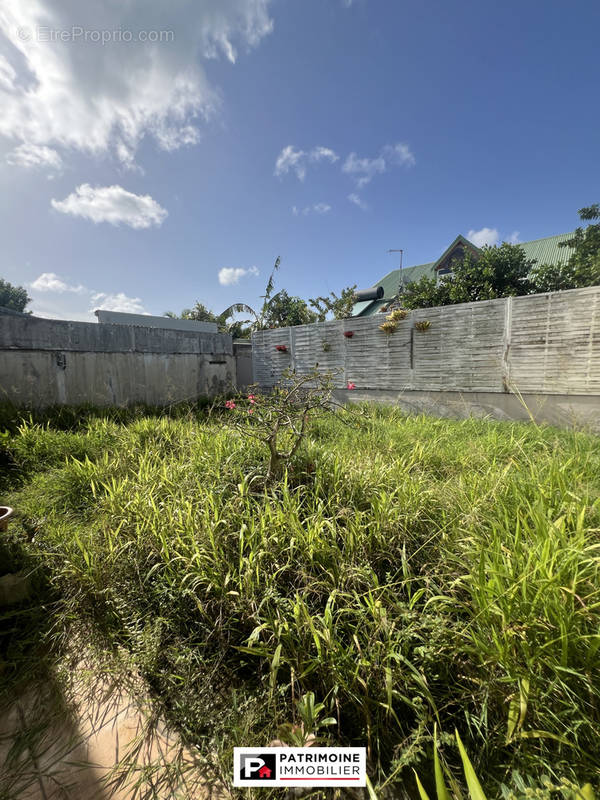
(548, 343)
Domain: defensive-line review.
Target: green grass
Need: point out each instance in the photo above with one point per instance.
(409, 571)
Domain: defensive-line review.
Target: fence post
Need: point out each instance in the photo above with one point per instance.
(506, 337)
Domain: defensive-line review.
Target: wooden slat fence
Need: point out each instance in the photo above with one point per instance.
(546, 343)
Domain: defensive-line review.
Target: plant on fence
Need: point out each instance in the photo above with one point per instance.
(397, 315)
(566, 790)
(326, 347)
(348, 334)
(389, 327)
(279, 419)
(282, 348)
(423, 325)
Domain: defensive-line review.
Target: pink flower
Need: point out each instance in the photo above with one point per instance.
(351, 385)
(230, 405)
(251, 411)
(251, 396)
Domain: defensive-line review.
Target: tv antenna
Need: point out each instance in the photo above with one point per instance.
(401, 273)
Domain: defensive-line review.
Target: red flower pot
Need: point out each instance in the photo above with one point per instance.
(348, 334)
(281, 347)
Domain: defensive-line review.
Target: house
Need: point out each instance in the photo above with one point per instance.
(545, 251)
(264, 772)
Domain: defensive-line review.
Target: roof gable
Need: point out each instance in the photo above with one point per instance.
(460, 243)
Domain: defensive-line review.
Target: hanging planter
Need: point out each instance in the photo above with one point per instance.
(389, 327)
(397, 314)
(282, 348)
(326, 347)
(423, 325)
(348, 334)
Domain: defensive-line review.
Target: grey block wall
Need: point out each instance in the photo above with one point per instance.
(46, 362)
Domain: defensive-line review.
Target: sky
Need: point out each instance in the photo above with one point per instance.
(156, 155)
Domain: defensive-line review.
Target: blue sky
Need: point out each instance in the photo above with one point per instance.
(324, 131)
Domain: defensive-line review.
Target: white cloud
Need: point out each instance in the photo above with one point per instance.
(399, 155)
(55, 298)
(229, 276)
(323, 153)
(34, 155)
(101, 98)
(489, 236)
(514, 237)
(363, 170)
(292, 160)
(51, 282)
(112, 204)
(117, 302)
(317, 208)
(354, 198)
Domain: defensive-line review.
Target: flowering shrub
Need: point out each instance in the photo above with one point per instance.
(279, 419)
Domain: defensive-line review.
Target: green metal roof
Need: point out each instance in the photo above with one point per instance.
(545, 251)
(391, 285)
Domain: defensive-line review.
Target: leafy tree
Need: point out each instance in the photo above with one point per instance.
(340, 307)
(424, 293)
(497, 272)
(585, 260)
(201, 313)
(582, 268)
(553, 278)
(13, 297)
(285, 311)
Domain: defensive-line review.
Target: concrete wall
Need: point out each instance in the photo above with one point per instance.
(578, 411)
(242, 350)
(45, 362)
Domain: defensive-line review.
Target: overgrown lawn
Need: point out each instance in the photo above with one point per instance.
(407, 570)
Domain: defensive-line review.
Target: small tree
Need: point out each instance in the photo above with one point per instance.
(279, 420)
(13, 297)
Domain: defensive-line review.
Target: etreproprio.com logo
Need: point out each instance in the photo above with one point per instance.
(299, 766)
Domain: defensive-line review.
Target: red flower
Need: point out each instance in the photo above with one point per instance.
(251, 410)
(351, 385)
(230, 405)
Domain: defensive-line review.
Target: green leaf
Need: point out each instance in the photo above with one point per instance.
(371, 790)
(440, 783)
(475, 790)
(423, 794)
